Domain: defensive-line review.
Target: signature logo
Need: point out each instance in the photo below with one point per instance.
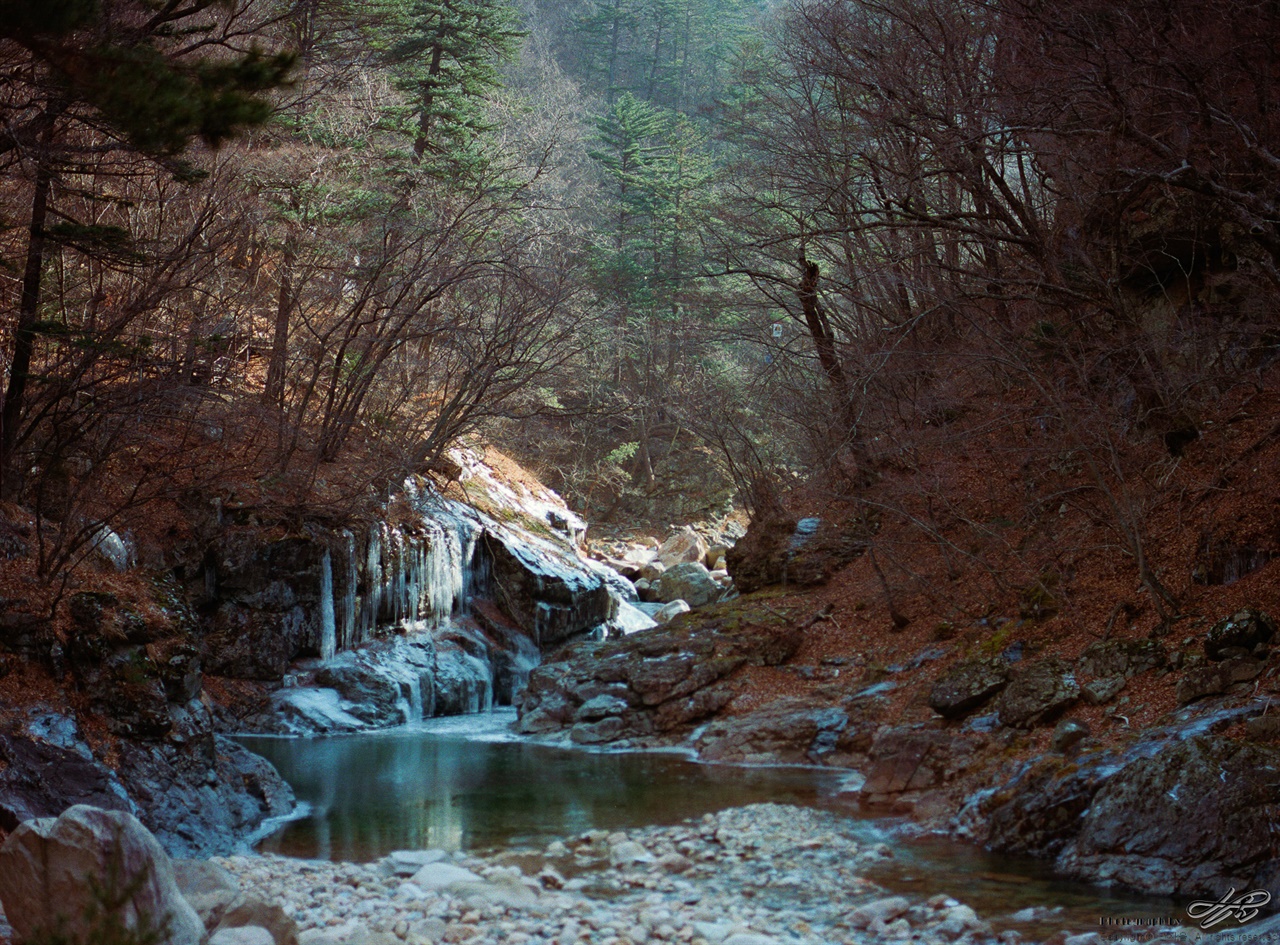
(1242, 908)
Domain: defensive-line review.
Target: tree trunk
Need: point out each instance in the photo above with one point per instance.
(423, 140)
(273, 393)
(24, 338)
(824, 341)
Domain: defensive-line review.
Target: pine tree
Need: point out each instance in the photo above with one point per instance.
(445, 57)
(94, 77)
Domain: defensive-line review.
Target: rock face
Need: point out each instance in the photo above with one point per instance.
(1195, 819)
(130, 668)
(1042, 809)
(45, 867)
(268, 603)
(968, 686)
(202, 799)
(1038, 693)
(781, 550)
(661, 678)
(199, 793)
(1238, 634)
(914, 759)
(41, 780)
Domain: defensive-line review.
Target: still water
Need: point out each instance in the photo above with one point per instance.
(466, 784)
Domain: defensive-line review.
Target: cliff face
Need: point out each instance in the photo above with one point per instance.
(438, 604)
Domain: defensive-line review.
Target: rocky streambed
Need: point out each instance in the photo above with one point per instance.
(755, 875)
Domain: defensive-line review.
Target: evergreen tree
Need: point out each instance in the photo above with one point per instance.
(445, 57)
(91, 78)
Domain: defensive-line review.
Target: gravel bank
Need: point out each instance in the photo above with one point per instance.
(767, 874)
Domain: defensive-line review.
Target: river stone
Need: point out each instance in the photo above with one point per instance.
(507, 893)
(251, 911)
(1216, 678)
(881, 910)
(628, 852)
(1038, 693)
(1193, 820)
(404, 863)
(439, 875)
(242, 935)
(45, 866)
(690, 582)
(208, 888)
(1244, 630)
(967, 687)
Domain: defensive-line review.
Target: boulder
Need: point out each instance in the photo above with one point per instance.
(46, 866)
(683, 546)
(601, 706)
(1215, 679)
(373, 695)
(669, 676)
(968, 686)
(1067, 734)
(1243, 630)
(1195, 819)
(552, 594)
(1038, 693)
(1123, 658)
(652, 571)
(668, 612)
(1040, 811)
(786, 731)
(778, 549)
(42, 780)
(690, 582)
(598, 732)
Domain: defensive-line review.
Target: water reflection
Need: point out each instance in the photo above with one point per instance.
(438, 786)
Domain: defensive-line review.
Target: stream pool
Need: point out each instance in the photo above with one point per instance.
(466, 783)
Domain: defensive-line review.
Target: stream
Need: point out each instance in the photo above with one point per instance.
(465, 783)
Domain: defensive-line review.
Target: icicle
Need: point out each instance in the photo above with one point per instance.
(328, 631)
(348, 627)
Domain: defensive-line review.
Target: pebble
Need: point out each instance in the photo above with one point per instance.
(767, 874)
